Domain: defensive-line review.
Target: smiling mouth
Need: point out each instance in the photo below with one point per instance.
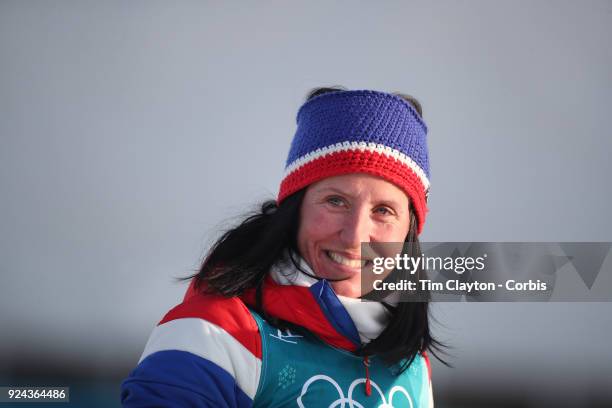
(342, 260)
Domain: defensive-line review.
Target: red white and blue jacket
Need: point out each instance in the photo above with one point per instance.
(213, 351)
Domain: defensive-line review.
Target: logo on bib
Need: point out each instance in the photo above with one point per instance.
(387, 401)
(286, 337)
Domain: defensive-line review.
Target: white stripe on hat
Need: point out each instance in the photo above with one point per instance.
(362, 146)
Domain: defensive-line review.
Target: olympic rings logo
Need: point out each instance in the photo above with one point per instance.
(342, 400)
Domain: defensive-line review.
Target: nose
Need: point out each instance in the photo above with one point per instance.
(356, 229)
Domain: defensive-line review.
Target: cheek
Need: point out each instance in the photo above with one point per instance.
(315, 225)
(391, 233)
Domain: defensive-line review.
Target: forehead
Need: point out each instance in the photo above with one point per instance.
(360, 185)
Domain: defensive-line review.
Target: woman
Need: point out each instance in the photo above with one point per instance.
(273, 318)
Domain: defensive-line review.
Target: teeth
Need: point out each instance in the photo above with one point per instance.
(351, 263)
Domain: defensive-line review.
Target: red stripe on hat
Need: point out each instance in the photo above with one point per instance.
(359, 161)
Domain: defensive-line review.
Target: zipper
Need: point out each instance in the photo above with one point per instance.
(368, 386)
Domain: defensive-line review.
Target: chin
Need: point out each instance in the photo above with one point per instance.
(343, 289)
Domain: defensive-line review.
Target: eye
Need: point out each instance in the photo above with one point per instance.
(335, 201)
(383, 211)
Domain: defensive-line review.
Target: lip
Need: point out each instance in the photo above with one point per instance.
(336, 271)
(348, 255)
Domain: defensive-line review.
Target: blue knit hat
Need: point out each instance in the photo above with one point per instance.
(372, 132)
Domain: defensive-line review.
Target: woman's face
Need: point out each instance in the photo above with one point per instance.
(338, 214)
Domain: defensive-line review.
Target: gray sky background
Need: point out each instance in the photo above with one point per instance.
(132, 132)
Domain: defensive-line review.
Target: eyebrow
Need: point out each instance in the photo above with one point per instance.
(335, 190)
(389, 203)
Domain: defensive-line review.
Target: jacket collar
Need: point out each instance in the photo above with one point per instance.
(294, 296)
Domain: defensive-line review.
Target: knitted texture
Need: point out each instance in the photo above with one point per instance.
(360, 132)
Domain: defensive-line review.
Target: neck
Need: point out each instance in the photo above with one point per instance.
(370, 318)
